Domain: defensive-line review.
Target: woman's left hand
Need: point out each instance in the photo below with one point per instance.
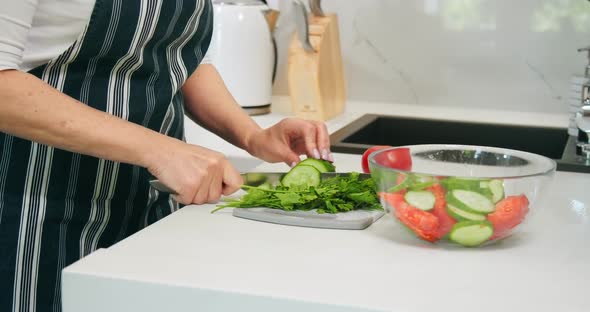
(290, 138)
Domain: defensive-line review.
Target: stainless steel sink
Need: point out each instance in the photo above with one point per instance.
(371, 130)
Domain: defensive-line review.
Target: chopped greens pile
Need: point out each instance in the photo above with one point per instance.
(333, 195)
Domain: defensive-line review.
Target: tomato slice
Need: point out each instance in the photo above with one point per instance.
(394, 200)
(446, 222)
(397, 158)
(424, 224)
(365, 159)
(509, 213)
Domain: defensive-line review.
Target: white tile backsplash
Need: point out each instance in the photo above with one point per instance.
(499, 54)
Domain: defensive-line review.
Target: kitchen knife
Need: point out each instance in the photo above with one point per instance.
(258, 178)
(316, 8)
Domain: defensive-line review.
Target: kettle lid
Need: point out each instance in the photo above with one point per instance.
(239, 2)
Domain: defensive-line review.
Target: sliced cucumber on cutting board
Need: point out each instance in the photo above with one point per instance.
(302, 175)
(307, 172)
(321, 165)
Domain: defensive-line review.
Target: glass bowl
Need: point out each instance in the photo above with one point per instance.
(459, 194)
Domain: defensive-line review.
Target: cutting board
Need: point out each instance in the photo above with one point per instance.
(353, 220)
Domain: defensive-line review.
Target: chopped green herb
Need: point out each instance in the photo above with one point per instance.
(338, 194)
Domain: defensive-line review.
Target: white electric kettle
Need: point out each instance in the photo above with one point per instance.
(244, 53)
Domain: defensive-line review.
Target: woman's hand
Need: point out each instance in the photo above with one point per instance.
(289, 139)
(197, 174)
(220, 114)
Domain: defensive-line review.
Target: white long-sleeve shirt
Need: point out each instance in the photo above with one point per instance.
(33, 32)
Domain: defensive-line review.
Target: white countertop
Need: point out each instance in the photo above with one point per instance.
(194, 260)
(197, 261)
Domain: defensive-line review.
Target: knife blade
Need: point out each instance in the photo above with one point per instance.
(258, 178)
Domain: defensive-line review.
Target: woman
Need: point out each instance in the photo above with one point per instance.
(92, 100)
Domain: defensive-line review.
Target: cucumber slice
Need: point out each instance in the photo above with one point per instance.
(423, 200)
(461, 183)
(320, 164)
(497, 189)
(470, 201)
(386, 179)
(420, 186)
(407, 182)
(462, 215)
(302, 175)
(424, 178)
(475, 185)
(265, 186)
(471, 233)
(255, 179)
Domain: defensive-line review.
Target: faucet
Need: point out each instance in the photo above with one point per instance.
(583, 122)
(583, 115)
(586, 86)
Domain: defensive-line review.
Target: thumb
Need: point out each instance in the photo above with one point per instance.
(232, 180)
(290, 157)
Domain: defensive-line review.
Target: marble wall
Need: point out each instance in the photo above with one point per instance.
(503, 54)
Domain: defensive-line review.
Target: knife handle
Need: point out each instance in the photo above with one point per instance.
(316, 8)
(161, 187)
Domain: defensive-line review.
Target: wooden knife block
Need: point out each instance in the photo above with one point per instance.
(316, 79)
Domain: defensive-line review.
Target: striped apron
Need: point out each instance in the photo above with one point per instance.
(57, 206)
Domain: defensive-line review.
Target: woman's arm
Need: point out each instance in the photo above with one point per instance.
(31, 109)
(209, 103)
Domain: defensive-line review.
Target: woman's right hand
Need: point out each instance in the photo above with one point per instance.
(33, 110)
(198, 175)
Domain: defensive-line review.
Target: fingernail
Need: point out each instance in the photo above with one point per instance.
(330, 157)
(316, 153)
(325, 154)
(293, 164)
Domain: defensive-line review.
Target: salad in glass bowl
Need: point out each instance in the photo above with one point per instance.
(460, 194)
